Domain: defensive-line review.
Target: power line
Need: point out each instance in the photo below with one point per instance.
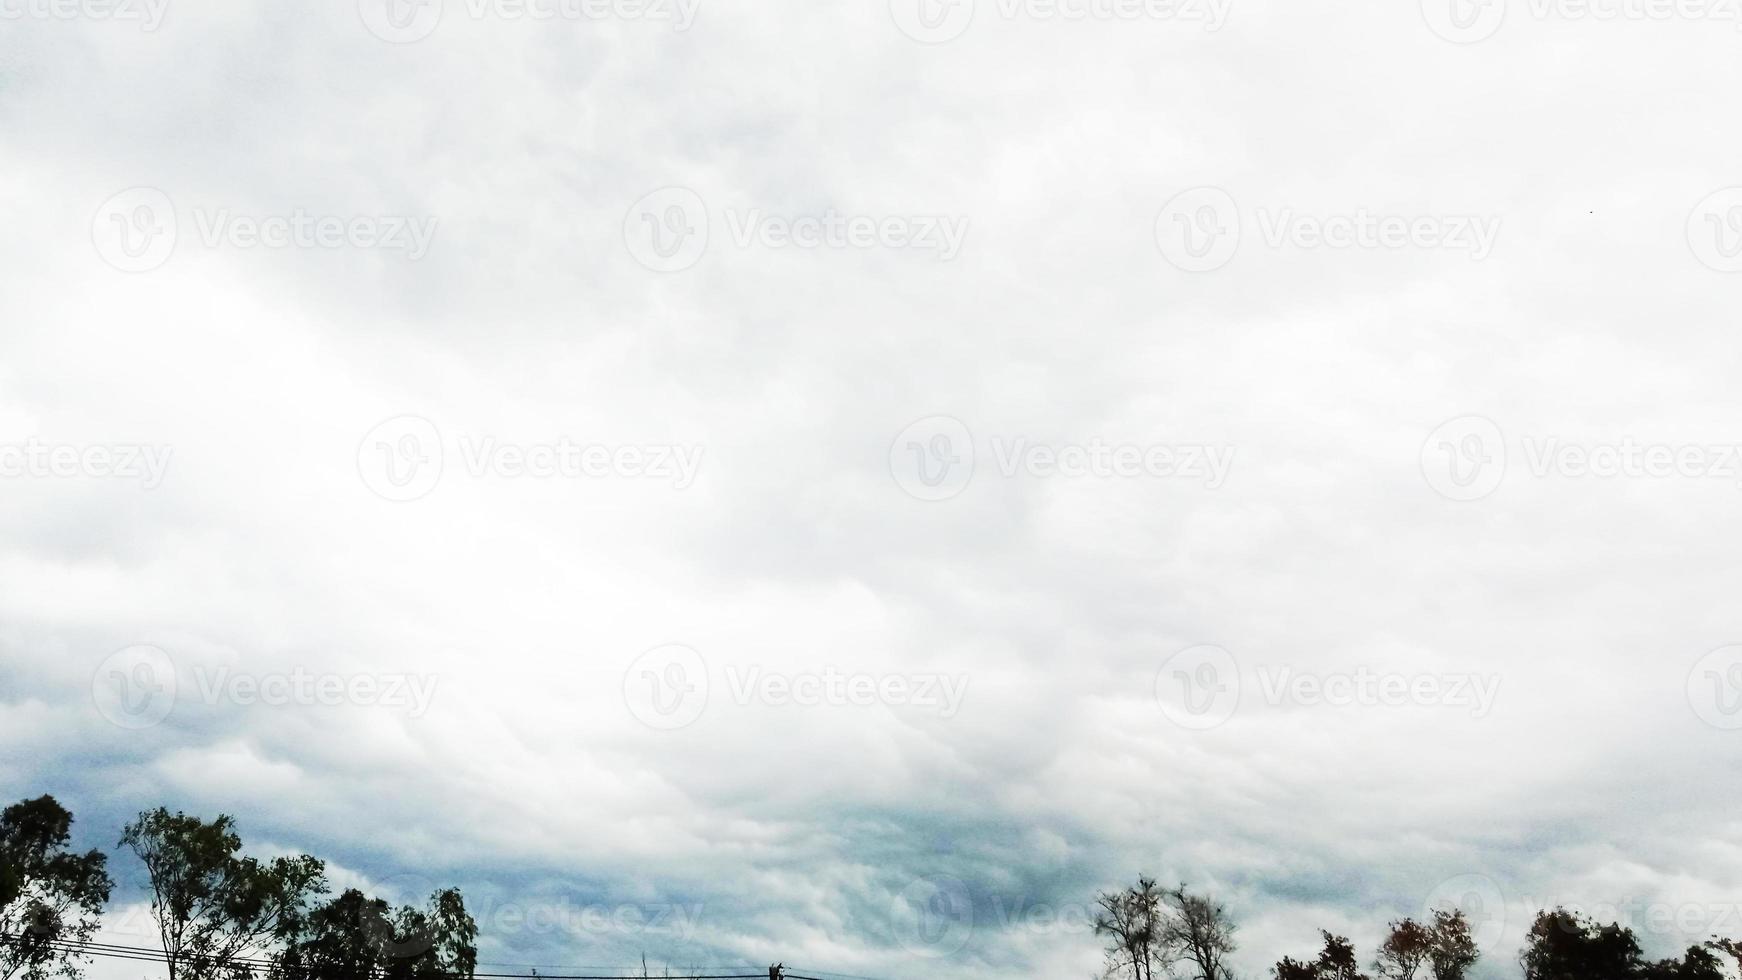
(251, 964)
(536, 969)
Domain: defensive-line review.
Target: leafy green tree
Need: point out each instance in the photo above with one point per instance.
(212, 905)
(354, 937)
(50, 897)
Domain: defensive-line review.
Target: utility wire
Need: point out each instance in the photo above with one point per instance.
(146, 954)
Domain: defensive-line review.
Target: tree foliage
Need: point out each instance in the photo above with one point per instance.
(49, 896)
(1190, 936)
(354, 937)
(213, 905)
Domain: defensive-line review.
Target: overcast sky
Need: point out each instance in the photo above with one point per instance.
(841, 482)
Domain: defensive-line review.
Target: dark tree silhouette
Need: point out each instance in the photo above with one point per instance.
(1453, 951)
(1407, 947)
(212, 905)
(354, 937)
(1200, 934)
(1337, 961)
(49, 896)
(1131, 919)
(1564, 945)
(1698, 964)
(1189, 935)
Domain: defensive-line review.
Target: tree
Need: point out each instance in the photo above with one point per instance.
(1174, 928)
(1197, 932)
(1131, 918)
(50, 897)
(1564, 945)
(1730, 948)
(1453, 951)
(1698, 964)
(354, 937)
(1408, 946)
(212, 905)
(1336, 962)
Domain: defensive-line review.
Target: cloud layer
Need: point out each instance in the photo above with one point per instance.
(841, 483)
